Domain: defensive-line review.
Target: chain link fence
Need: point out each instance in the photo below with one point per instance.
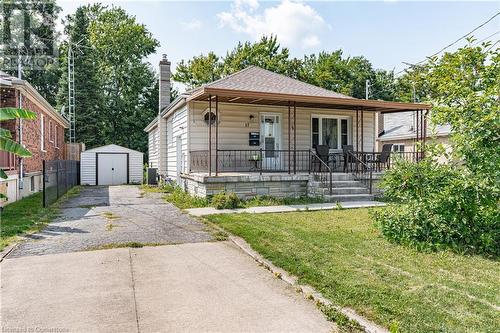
(58, 178)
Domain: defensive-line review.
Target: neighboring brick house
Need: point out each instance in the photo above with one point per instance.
(43, 137)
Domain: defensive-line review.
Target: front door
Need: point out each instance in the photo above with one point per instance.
(270, 129)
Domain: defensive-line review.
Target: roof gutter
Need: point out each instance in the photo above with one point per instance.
(28, 89)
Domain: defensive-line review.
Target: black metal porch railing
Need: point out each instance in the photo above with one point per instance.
(322, 172)
(360, 170)
(260, 160)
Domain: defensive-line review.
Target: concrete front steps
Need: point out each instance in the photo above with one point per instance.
(345, 188)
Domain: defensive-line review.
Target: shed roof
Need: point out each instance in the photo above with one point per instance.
(111, 148)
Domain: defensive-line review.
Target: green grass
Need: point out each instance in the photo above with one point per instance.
(183, 200)
(24, 216)
(343, 255)
(28, 216)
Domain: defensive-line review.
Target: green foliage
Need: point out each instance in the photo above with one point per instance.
(443, 206)
(330, 70)
(454, 205)
(25, 215)
(14, 113)
(116, 89)
(44, 37)
(223, 200)
(343, 322)
(199, 70)
(6, 142)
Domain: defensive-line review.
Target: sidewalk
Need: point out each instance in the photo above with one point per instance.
(283, 209)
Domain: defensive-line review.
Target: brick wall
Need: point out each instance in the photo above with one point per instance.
(32, 130)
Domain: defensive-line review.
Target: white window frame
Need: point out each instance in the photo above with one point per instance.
(399, 147)
(42, 133)
(339, 128)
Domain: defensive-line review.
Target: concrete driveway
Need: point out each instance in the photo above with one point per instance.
(104, 215)
(197, 286)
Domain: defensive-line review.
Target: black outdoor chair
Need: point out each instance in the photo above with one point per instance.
(323, 152)
(383, 157)
(346, 150)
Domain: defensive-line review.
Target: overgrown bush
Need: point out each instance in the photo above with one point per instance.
(225, 200)
(442, 206)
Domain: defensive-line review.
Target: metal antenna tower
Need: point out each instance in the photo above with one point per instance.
(71, 102)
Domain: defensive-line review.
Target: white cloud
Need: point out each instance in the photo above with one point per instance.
(194, 24)
(295, 23)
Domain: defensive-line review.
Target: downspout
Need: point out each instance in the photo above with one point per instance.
(21, 164)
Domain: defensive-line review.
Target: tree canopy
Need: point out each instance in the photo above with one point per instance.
(330, 70)
(116, 89)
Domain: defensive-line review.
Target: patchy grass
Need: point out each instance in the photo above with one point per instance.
(110, 215)
(343, 322)
(343, 255)
(266, 200)
(24, 216)
(28, 215)
(123, 245)
(183, 200)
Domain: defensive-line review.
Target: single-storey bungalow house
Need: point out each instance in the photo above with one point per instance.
(256, 132)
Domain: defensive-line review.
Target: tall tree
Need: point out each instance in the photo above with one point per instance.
(127, 81)
(267, 53)
(199, 70)
(28, 29)
(89, 99)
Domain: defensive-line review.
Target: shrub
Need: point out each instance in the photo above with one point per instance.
(443, 206)
(225, 200)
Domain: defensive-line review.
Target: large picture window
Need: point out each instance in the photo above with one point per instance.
(331, 131)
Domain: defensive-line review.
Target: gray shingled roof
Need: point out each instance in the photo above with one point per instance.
(257, 79)
(401, 125)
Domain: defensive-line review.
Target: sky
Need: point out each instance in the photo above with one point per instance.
(387, 33)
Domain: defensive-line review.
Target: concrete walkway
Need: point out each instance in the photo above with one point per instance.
(198, 287)
(283, 209)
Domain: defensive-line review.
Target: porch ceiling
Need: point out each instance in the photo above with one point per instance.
(261, 98)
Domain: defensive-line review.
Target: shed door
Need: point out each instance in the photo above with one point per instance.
(112, 169)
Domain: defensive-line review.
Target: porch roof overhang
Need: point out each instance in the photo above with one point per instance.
(322, 102)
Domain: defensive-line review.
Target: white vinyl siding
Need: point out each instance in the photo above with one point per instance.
(153, 146)
(177, 130)
(235, 124)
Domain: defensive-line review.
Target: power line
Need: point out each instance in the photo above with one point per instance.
(456, 41)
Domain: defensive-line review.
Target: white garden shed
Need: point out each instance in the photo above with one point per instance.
(111, 165)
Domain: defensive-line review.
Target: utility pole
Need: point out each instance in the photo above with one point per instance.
(367, 89)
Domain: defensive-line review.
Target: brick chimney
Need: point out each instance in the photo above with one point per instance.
(164, 82)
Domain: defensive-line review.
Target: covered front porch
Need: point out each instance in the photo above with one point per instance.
(259, 136)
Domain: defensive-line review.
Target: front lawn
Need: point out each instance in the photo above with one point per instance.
(344, 256)
(25, 215)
